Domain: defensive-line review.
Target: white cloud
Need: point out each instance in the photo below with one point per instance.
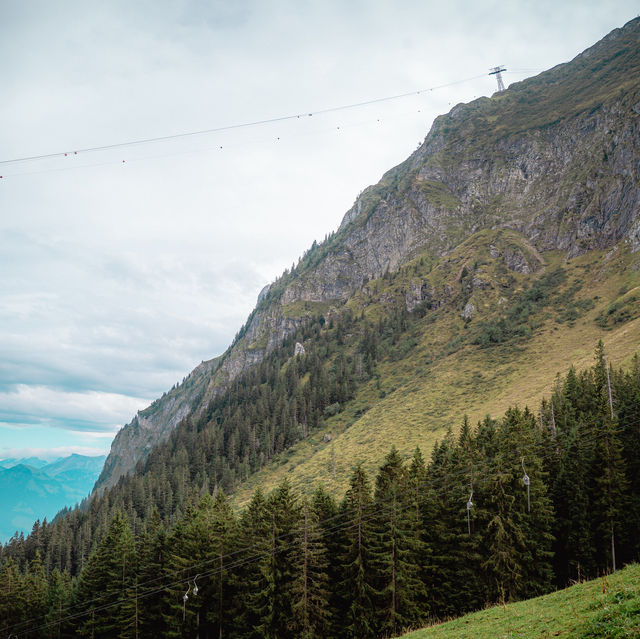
(119, 278)
(93, 410)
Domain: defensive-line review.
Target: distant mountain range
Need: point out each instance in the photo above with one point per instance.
(33, 488)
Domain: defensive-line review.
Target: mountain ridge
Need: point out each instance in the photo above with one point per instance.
(29, 492)
(485, 165)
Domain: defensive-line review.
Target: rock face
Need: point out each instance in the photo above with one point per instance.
(555, 158)
(153, 424)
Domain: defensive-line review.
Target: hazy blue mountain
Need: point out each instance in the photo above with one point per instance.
(34, 462)
(28, 492)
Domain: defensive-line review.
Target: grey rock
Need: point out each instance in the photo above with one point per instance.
(565, 182)
(468, 311)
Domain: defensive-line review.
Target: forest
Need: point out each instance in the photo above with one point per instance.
(506, 510)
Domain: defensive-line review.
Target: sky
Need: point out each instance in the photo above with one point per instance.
(122, 268)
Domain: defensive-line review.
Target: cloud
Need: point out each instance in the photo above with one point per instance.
(119, 277)
(92, 410)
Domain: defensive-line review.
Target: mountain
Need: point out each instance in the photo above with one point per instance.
(501, 191)
(284, 489)
(28, 493)
(34, 462)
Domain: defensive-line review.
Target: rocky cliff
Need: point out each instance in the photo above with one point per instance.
(555, 157)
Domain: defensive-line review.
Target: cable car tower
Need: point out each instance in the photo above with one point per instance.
(497, 71)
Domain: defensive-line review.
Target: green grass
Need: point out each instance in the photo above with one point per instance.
(302, 308)
(607, 607)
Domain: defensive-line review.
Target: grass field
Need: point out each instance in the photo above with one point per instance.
(605, 608)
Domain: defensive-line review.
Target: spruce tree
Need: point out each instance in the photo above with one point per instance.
(357, 591)
(12, 604)
(222, 544)
(518, 534)
(310, 587)
(152, 555)
(610, 502)
(626, 387)
(58, 598)
(277, 564)
(330, 523)
(251, 583)
(103, 584)
(35, 594)
(396, 550)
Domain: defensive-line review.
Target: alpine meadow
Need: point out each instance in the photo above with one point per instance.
(435, 411)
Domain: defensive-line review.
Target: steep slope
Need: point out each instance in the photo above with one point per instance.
(606, 607)
(152, 425)
(554, 159)
(491, 338)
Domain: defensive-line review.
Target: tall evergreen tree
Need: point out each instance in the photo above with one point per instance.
(153, 553)
(103, 584)
(250, 581)
(357, 588)
(396, 550)
(35, 594)
(58, 598)
(310, 587)
(12, 604)
(277, 565)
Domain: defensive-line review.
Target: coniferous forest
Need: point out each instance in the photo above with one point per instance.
(505, 510)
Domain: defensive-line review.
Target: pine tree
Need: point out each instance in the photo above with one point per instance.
(330, 521)
(103, 584)
(569, 470)
(35, 594)
(58, 598)
(421, 507)
(12, 604)
(310, 588)
(221, 547)
(504, 540)
(610, 503)
(200, 544)
(251, 584)
(396, 550)
(152, 553)
(277, 564)
(356, 589)
(453, 577)
(518, 535)
(627, 404)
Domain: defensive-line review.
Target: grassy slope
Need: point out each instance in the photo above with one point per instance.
(417, 398)
(444, 375)
(607, 607)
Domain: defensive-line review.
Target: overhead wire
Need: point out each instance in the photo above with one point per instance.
(217, 147)
(552, 451)
(372, 513)
(230, 127)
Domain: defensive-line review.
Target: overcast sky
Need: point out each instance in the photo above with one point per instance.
(122, 269)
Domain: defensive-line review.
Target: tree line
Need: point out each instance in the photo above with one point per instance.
(259, 417)
(421, 540)
(266, 410)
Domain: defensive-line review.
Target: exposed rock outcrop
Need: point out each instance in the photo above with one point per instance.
(555, 158)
